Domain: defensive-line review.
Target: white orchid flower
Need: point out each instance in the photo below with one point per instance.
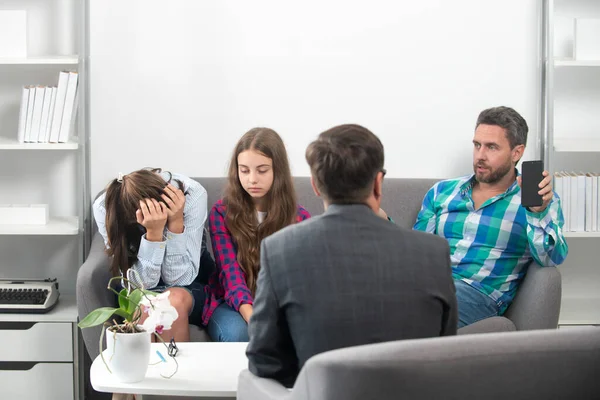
(156, 301)
(161, 314)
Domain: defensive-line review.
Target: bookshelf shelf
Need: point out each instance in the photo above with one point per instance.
(56, 226)
(13, 144)
(566, 62)
(576, 145)
(582, 234)
(48, 60)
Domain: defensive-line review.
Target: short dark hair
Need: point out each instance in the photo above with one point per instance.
(512, 122)
(344, 162)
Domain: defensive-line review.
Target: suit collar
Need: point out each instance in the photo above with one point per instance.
(348, 209)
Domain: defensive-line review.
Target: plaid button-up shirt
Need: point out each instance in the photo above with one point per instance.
(228, 282)
(492, 247)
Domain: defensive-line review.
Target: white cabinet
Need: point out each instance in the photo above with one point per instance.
(36, 341)
(33, 381)
(39, 356)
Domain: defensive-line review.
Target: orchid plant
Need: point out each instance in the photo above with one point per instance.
(134, 301)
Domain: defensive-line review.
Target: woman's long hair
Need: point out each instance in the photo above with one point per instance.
(241, 218)
(122, 201)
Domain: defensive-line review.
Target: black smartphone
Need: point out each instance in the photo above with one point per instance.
(531, 176)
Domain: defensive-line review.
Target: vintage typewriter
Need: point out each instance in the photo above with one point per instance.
(28, 295)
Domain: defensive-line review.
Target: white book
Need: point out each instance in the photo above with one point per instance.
(573, 201)
(45, 113)
(38, 105)
(557, 185)
(558, 189)
(567, 200)
(68, 113)
(23, 114)
(588, 202)
(580, 202)
(594, 202)
(50, 114)
(61, 91)
(28, 124)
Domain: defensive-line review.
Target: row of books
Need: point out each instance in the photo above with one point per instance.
(580, 200)
(48, 112)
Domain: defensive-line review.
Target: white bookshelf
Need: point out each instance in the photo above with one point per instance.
(571, 132)
(13, 144)
(45, 173)
(56, 226)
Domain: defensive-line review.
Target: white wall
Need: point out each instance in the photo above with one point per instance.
(176, 84)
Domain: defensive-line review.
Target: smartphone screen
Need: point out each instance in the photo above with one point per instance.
(531, 176)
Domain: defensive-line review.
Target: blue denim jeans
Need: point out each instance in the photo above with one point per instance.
(473, 305)
(227, 325)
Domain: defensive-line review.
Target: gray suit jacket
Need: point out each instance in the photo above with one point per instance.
(346, 278)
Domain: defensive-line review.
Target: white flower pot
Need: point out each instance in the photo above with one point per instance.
(128, 355)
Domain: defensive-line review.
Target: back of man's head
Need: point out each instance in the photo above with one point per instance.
(344, 162)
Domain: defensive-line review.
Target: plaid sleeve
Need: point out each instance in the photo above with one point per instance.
(302, 215)
(426, 220)
(544, 233)
(231, 276)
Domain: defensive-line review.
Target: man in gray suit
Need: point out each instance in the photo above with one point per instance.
(347, 277)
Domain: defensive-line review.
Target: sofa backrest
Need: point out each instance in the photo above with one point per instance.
(543, 364)
(402, 197)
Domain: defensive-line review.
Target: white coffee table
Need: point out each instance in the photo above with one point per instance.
(205, 370)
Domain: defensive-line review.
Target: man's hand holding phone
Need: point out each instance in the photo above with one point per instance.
(535, 197)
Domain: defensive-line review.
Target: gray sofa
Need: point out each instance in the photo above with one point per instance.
(536, 306)
(546, 364)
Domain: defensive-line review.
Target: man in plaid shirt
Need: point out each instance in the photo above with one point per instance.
(492, 238)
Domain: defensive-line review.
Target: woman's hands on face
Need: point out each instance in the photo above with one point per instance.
(152, 215)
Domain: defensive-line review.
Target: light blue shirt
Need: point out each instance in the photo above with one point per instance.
(176, 259)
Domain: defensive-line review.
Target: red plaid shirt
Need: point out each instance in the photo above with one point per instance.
(228, 282)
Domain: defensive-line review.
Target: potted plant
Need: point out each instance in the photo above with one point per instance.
(128, 341)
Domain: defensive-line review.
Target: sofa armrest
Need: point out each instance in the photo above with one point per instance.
(489, 325)
(92, 279)
(537, 303)
(251, 387)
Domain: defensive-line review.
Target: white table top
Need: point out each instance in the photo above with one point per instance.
(205, 370)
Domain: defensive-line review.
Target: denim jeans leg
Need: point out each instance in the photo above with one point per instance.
(473, 305)
(227, 325)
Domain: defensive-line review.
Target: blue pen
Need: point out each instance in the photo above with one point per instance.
(161, 356)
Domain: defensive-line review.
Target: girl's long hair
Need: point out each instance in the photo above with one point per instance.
(241, 217)
(121, 202)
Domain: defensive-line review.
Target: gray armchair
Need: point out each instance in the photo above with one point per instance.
(91, 289)
(536, 305)
(545, 364)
